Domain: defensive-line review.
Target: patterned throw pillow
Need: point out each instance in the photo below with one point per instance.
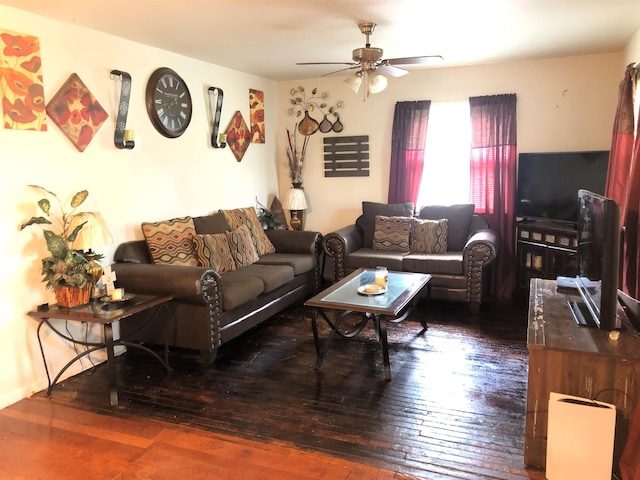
(392, 233)
(170, 242)
(429, 236)
(212, 250)
(247, 216)
(241, 246)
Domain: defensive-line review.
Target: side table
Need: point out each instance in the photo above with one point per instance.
(106, 314)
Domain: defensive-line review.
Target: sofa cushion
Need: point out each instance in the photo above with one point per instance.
(369, 211)
(370, 258)
(459, 217)
(247, 216)
(271, 276)
(429, 236)
(170, 242)
(212, 250)
(241, 246)
(392, 233)
(449, 263)
(238, 289)
(300, 262)
(214, 223)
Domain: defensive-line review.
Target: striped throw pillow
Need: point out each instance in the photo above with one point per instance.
(392, 233)
(429, 236)
(170, 242)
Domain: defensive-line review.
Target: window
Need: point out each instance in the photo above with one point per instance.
(445, 178)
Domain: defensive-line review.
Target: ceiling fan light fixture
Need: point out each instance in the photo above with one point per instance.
(354, 81)
(377, 82)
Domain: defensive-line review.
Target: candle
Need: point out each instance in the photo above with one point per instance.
(118, 294)
(222, 138)
(129, 135)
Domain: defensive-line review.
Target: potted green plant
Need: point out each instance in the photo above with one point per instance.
(66, 271)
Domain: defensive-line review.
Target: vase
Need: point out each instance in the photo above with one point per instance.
(307, 126)
(69, 296)
(325, 125)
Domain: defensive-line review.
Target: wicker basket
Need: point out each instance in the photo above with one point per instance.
(69, 296)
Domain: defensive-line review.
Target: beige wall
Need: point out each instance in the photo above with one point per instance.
(563, 104)
(160, 178)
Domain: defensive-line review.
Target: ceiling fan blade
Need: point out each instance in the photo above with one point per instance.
(352, 67)
(391, 70)
(326, 63)
(427, 59)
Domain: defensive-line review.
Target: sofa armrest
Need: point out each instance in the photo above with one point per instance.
(295, 241)
(195, 285)
(338, 245)
(479, 252)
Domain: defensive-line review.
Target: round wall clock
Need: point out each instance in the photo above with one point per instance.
(168, 102)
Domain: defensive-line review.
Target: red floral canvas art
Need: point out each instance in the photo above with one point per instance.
(256, 115)
(21, 82)
(75, 110)
(238, 136)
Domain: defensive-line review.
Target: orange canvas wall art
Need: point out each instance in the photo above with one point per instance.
(23, 105)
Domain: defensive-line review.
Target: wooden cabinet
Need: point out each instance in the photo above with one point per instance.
(574, 360)
(544, 250)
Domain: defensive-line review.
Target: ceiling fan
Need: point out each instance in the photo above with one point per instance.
(370, 64)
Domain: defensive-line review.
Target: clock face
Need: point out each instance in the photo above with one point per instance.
(168, 102)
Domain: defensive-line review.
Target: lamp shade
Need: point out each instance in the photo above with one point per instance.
(94, 233)
(354, 81)
(377, 82)
(295, 200)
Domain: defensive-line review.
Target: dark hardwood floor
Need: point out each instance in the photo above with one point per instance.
(455, 407)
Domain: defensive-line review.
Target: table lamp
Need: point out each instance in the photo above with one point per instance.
(295, 202)
(94, 233)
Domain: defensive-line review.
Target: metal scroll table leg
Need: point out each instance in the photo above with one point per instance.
(111, 363)
(381, 327)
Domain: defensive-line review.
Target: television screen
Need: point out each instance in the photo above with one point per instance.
(549, 182)
(598, 231)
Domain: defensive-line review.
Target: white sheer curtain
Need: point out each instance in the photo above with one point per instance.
(445, 178)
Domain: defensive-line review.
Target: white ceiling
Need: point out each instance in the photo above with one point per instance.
(267, 37)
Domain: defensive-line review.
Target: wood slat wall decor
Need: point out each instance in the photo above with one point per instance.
(346, 156)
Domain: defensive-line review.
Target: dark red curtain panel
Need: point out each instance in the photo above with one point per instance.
(407, 150)
(623, 181)
(493, 177)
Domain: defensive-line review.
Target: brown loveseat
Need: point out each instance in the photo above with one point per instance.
(457, 256)
(211, 308)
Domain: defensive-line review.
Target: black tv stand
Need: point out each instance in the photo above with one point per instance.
(545, 250)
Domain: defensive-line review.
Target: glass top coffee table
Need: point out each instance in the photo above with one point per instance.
(403, 291)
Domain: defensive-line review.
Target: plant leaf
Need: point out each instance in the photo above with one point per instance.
(55, 244)
(45, 205)
(72, 236)
(78, 198)
(35, 221)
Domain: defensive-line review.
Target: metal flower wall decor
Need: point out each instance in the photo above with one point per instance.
(301, 106)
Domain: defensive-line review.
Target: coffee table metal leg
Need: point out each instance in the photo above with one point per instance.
(381, 324)
(111, 363)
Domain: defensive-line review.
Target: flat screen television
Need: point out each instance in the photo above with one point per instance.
(549, 182)
(598, 230)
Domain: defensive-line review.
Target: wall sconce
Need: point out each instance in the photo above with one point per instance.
(295, 202)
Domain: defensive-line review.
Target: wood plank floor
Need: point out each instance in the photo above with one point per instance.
(455, 408)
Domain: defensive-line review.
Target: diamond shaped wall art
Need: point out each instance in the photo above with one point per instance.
(238, 136)
(76, 111)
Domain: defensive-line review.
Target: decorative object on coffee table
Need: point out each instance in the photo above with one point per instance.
(76, 111)
(295, 202)
(66, 271)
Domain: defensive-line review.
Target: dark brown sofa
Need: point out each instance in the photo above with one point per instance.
(210, 308)
(458, 274)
